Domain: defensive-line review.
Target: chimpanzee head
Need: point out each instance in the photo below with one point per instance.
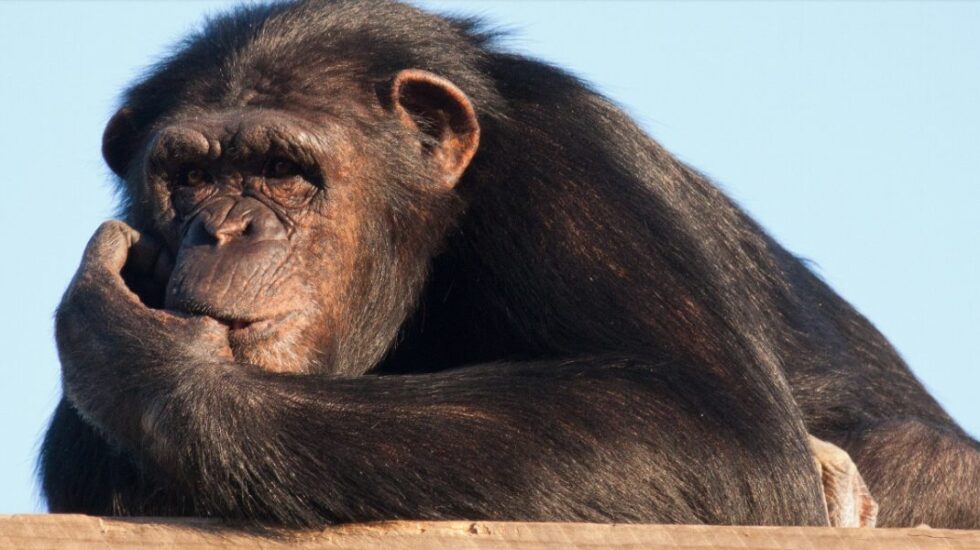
(301, 185)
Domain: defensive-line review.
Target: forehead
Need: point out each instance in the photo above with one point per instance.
(247, 73)
(314, 94)
(256, 127)
(247, 115)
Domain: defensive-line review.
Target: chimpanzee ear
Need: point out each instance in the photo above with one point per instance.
(444, 115)
(119, 141)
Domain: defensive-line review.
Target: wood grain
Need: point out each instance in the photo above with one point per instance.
(69, 532)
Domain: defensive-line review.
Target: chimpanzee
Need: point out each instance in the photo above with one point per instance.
(373, 266)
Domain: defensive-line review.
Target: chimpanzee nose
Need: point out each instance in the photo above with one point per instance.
(230, 219)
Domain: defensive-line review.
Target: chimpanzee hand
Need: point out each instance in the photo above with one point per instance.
(849, 503)
(118, 355)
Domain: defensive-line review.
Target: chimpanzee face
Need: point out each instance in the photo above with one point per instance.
(306, 236)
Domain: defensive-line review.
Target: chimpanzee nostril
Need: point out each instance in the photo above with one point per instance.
(234, 219)
(232, 228)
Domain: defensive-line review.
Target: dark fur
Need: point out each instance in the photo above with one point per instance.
(698, 339)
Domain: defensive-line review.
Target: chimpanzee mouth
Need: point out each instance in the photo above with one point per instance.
(250, 330)
(236, 324)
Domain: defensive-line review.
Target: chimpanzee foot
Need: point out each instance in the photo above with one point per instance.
(849, 503)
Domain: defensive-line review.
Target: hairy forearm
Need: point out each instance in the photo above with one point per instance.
(228, 440)
(302, 450)
(114, 383)
(210, 432)
(120, 359)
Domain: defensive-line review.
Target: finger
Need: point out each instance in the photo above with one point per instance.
(848, 501)
(109, 246)
(116, 245)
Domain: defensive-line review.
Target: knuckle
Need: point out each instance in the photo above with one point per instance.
(116, 226)
(107, 230)
(111, 233)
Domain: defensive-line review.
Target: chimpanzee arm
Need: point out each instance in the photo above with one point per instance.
(81, 471)
(476, 443)
(590, 440)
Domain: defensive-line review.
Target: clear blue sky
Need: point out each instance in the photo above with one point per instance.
(850, 130)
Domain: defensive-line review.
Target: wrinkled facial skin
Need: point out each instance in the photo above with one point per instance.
(307, 234)
(258, 240)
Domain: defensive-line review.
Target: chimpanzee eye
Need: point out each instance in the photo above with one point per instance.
(280, 168)
(287, 184)
(193, 176)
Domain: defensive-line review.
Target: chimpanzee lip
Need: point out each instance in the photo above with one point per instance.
(237, 324)
(252, 329)
(241, 327)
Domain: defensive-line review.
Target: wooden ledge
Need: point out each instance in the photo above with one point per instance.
(67, 532)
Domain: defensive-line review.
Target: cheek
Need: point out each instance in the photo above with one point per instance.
(306, 340)
(336, 252)
(330, 262)
(153, 203)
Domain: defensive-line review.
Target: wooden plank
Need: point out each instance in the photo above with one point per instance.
(70, 532)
